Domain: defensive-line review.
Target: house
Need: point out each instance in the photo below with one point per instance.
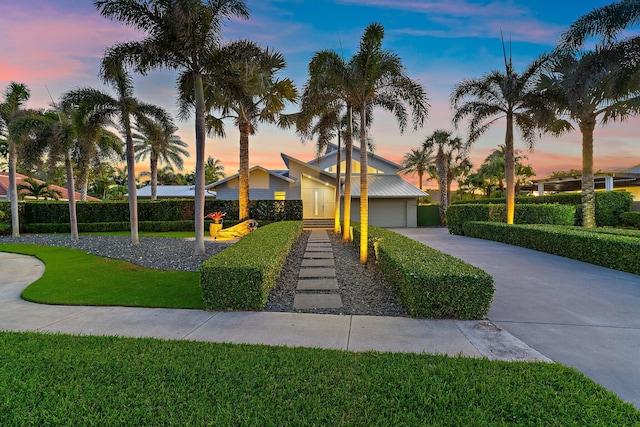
(627, 179)
(4, 188)
(171, 192)
(392, 200)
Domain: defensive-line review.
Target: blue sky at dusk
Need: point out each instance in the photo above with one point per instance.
(59, 44)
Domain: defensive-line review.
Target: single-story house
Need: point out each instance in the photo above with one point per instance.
(627, 179)
(4, 188)
(392, 200)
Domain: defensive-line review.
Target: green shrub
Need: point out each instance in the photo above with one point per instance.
(428, 282)
(630, 219)
(429, 215)
(609, 204)
(608, 250)
(241, 276)
(556, 214)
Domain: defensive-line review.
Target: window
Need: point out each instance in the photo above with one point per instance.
(280, 195)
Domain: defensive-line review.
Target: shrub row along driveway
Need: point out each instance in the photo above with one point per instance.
(577, 314)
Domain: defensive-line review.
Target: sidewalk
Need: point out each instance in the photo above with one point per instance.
(354, 333)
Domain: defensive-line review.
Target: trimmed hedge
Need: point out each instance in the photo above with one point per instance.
(156, 226)
(556, 214)
(608, 250)
(241, 276)
(610, 205)
(631, 219)
(429, 283)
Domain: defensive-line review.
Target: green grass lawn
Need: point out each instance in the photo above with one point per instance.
(51, 379)
(74, 277)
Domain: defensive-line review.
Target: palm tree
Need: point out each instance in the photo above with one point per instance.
(158, 141)
(31, 187)
(601, 94)
(213, 170)
(379, 80)
(417, 161)
(15, 95)
(241, 84)
(507, 95)
(180, 35)
(445, 146)
(120, 108)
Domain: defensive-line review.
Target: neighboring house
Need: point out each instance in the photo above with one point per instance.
(627, 179)
(171, 192)
(392, 200)
(4, 188)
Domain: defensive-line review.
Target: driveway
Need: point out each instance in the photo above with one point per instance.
(575, 313)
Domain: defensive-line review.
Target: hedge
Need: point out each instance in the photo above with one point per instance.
(610, 205)
(151, 226)
(241, 276)
(556, 214)
(608, 250)
(428, 282)
(631, 219)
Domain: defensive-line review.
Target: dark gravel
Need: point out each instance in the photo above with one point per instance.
(362, 287)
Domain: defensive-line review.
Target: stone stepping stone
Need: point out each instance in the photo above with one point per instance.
(314, 273)
(317, 285)
(324, 262)
(318, 255)
(319, 244)
(311, 301)
(319, 249)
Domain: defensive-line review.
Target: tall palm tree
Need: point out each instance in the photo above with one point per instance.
(380, 80)
(445, 146)
(601, 94)
(328, 90)
(158, 141)
(417, 161)
(504, 95)
(121, 109)
(15, 95)
(180, 35)
(241, 84)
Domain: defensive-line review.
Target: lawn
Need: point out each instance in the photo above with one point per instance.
(74, 277)
(51, 379)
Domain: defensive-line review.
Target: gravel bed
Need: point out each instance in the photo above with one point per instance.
(162, 253)
(362, 287)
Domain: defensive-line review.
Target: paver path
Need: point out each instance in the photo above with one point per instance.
(317, 284)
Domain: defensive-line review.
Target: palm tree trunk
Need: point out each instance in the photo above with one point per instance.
(420, 174)
(364, 189)
(441, 167)
(154, 177)
(73, 217)
(83, 181)
(336, 215)
(198, 221)
(13, 191)
(348, 145)
(509, 169)
(588, 188)
(131, 181)
(243, 191)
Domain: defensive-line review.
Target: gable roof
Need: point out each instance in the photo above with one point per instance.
(276, 174)
(308, 165)
(333, 149)
(386, 186)
(4, 187)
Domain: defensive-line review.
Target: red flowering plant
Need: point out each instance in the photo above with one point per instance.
(216, 216)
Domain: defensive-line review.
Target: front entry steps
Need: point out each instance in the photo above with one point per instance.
(317, 285)
(318, 224)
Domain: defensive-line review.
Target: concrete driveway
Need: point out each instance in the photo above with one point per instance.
(578, 314)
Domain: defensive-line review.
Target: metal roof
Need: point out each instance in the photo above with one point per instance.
(386, 186)
(172, 191)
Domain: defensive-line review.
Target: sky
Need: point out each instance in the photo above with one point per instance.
(56, 45)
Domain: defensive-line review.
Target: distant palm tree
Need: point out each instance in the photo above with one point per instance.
(241, 84)
(445, 146)
(179, 35)
(213, 170)
(507, 95)
(29, 187)
(602, 94)
(417, 161)
(158, 141)
(15, 95)
(379, 80)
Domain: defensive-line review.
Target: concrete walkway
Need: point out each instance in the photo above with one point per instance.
(578, 314)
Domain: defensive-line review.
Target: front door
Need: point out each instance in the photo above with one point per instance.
(318, 199)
